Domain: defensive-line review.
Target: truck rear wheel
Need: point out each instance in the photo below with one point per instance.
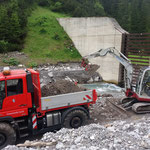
(75, 119)
(7, 135)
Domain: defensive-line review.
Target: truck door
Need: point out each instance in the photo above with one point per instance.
(2, 93)
(15, 97)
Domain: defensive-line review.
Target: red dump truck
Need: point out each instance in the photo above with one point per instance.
(23, 111)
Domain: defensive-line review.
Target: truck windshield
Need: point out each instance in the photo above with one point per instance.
(2, 93)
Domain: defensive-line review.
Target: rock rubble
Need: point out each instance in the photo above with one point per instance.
(70, 71)
(107, 130)
(118, 135)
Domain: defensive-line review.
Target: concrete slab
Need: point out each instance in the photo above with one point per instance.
(93, 33)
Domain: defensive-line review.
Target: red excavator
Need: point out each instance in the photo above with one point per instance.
(138, 97)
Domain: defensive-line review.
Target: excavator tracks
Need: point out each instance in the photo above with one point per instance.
(133, 104)
(130, 104)
(141, 108)
(127, 103)
(137, 107)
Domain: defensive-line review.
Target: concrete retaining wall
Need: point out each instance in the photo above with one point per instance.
(93, 33)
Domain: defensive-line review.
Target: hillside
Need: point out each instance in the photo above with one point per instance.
(46, 41)
(132, 15)
(26, 27)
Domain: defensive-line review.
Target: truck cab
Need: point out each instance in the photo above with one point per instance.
(15, 98)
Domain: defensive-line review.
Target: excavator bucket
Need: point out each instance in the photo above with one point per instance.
(118, 108)
(90, 69)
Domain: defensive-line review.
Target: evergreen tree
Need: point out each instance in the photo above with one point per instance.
(4, 22)
(99, 9)
(13, 21)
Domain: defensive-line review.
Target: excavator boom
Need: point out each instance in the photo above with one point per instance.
(120, 57)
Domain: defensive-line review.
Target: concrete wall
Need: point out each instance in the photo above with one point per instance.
(93, 33)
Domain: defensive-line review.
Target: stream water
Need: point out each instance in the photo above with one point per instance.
(103, 87)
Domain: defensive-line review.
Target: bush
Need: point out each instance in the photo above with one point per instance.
(11, 61)
(32, 64)
(41, 21)
(56, 7)
(43, 31)
(56, 37)
(3, 46)
(43, 3)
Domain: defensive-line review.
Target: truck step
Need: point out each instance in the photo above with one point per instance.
(20, 120)
(24, 135)
(23, 128)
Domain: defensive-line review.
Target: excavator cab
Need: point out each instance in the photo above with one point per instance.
(143, 83)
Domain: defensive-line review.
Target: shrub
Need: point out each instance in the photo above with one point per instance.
(32, 64)
(56, 37)
(43, 31)
(3, 46)
(11, 61)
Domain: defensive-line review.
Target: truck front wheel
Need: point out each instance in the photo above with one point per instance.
(75, 119)
(7, 135)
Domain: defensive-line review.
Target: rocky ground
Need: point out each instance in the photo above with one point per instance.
(73, 72)
(108, 129)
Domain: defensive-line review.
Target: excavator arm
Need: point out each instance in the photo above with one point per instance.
(120, 57)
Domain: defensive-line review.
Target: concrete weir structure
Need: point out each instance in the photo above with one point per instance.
(93, 33)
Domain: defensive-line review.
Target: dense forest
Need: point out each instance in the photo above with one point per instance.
(132, 15)
(13, 21)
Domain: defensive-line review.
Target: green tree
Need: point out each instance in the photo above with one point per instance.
(78, 12)
(4, 22)
(99, 9)
(13, 21)
(4, 45)
(57, 7)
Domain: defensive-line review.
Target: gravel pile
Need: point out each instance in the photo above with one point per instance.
(68, 71)
(119, 135)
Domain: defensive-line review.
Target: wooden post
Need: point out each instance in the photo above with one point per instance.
(121, 68)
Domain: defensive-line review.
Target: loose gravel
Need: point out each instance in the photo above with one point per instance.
(118, 135)
(107, 130)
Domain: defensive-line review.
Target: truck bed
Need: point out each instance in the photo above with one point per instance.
(69, 99)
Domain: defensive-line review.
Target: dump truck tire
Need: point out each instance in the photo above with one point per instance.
(7, 135)
(75, 119)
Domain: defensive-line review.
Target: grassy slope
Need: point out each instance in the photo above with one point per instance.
(46, 40)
